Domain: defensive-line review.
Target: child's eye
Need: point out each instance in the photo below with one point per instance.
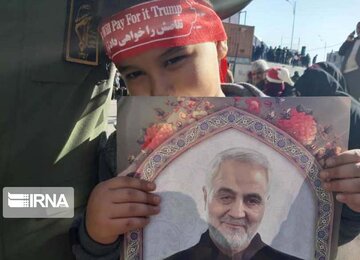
(174, 60)
(133, 75)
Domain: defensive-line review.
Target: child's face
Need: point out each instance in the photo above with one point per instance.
(191, 70)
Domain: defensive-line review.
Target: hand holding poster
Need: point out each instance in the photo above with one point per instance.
(237, 176)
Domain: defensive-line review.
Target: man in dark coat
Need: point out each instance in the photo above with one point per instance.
(206, 249)
(351, 65)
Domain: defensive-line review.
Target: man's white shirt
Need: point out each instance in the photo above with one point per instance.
(351, 64)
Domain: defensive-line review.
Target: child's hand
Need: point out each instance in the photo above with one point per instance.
(120, 205)
(344, 177)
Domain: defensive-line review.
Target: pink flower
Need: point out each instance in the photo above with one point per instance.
(191, 104)
(253, 105)
(156, 135)
(300, 126)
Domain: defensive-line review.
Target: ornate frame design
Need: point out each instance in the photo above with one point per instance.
(255, 127)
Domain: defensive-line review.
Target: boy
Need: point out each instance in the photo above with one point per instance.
(160, 61)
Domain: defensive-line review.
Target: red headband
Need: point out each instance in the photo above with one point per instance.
(159, 23)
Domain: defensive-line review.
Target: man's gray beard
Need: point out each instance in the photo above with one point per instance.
(235, 242)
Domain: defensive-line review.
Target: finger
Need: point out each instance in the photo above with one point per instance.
(124, 225)
(134, 196)
(351, 200)
(130, 170)
(128, 182)
(343, 186)
(351, 170)
(352, 156)
(131, 210)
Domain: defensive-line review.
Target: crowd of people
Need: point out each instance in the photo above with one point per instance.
(274, 82)
(277, 82)
(282, 55)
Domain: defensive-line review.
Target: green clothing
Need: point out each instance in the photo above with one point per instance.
(52, 117)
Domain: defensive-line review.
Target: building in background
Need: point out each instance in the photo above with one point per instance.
(240, 43)
(335, 58)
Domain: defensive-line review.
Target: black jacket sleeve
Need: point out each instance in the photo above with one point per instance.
(345, 47)
(349, 225)
(83, 246)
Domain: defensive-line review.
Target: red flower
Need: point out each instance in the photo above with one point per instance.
(300, 125)
(253, 105)
(156, 135)
(191, 104)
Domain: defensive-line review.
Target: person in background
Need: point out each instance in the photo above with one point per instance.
(289, 90)
(314, 59)
(270, 54)
(295, 59)
(307, 60)
(258, 72)
(274, 83)
(229, 75)
(331, 69)
(351, 64)
(295, 77)
(249, 78)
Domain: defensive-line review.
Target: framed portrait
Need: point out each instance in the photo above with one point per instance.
(81, 44)
(237, 176)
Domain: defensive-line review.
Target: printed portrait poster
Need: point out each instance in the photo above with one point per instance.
(238, 175)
